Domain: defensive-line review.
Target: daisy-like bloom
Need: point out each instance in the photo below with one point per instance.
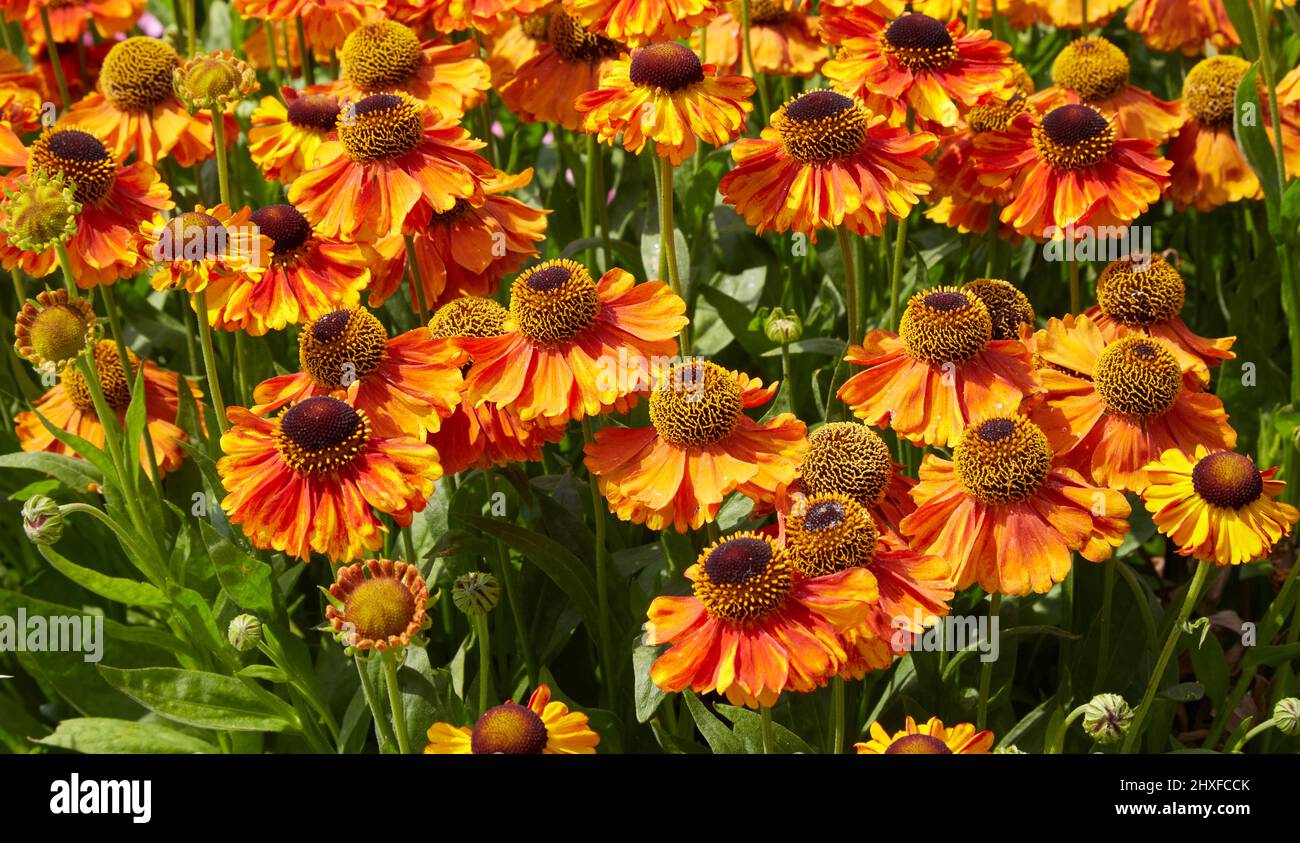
(326, 23)
(572, 336)
(72, 21)
(568, 63)
(1119, 405)
(515, 43)
(284, 136)
(1209, 168)
(115, 202)
(21, 95)
(405, 385)
(850, 458)
(1070, 168)
(206, 249)
(638, 22)
(378, 604)
(662, 93)
(826, 161)
(315, 477)
(388, 57)
(53, 329)
(1218, 506)
(829, 533)
(1145, 296)
(929, 738)
(456, 15)
(941, 371)
(467, 250)
(1095, 72)
(68, 406)
(699, 448)
(305, 276)
(1169, 25)
(917, 63)
(1005, 515)
(543, 727)
(783, 39)
(485, 435)
(392, 167)
(136, 110)
(751, 628)
(1009, 308)
(1068, 14)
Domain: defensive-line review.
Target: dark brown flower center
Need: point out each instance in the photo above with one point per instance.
(738, 560)
(919, 42)
(314, 111)
(669, 66)
(820, 126)
(824, 515)
(1073, 123)
(77, 156)
(284, 224)
(1227, 479)
(918, 745)
(320, 422)
(509, 729)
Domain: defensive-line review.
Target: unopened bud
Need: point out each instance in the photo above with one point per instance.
(476, 593)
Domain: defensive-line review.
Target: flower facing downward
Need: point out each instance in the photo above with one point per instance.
(637, 22)
(1217, 506)
(51, 330)
(664, 94)
(285, 135)
(568, 63)
(213, 80)
(929, 738)
(1009, 309)
(42, 520)
(378, 604)
(543, 727)
(942, 369)
(1168, 25)
(785, 38)
(752, 629)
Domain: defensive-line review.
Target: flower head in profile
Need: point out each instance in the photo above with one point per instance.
(213, 81)
(1009, 308)
(569, 333)
(316, 477)
(928, 738)
(827, 160)
(942, 370)
(53, 329)
(663, 93)
(543, 727)
(1068, 14)
(1217, 506)
(637, 22)
(919, 64)
(751, 628)
(699, 448)
(850, 458)
(568, 62)
(378, 604)
(1169, 25)
(285, 135)
(69, 406)
(1006, 514)
(784, 39)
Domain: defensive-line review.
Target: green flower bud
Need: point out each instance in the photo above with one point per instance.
(42, 520)
(476, 593)
(1287, 715)
(245, 633)
(1106, 718)
(1010, 749)
(782, 326)
(40, 214)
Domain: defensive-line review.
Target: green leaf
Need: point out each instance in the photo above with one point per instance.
(719, 738)
(76, 474)
(117, 589)
(648, 694)
(555, 560)
(736, 315)
(247, 581)
(266, 672)
(207, 700)
(1184, 692)
(105, 735)
(1270, 655)
(134, 428)
(1249, 126)
(749, 727)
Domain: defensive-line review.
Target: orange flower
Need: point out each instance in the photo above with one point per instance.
(115, 202)
(752, 629)
(467, 250)
(918, 64)
(1209, 168)
(454, 15)
(929, 738)
(663, 94)
(514, 44)
(543, 727)
(72, 21)
(572, 341)
(405, 385)
(783, 39)
(1070, 168)
(1186, 25)
(326, 23)
(940, 372)
(313, 479)
(1218, 507)
(285, 136)
(699, 448)
(1006, 515)
(136, 110)
(392, 167)
(68, 406)
(1117, 406)
(637, 22)
(826, 160)
(382, 611)
(305, 276)
(1095, 72)
(21, 95)
(829, 533)
(486, 435)
(569, 63)
(388, 57)
(206, 249)
(1145, 296)
(1068, 14)
(850, 458)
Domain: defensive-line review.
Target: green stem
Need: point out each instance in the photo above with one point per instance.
(668, 240)
(223, 166)
(1262, 15)
(484, 662)
(769, 741)
(395, 702)
(610, 685)
(1083, 25)
(850, 283)
(200, 304)
(305, 53)
(274, 52)
(69, 281)
(1257, 730)
(382, 728)
(992, 235)
(593, 203)
(1175, 632)
(896, 273)
(408, 542)
(1073, 267)
(973, 15)
(52, 50)
(759, 82)
(1103, 646)
(20, 289)
(115, 325)
(192, 29)
(837, 703)
(986, 668)
(522, 639)
(417, 280)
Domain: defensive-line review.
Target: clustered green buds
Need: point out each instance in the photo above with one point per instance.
(476, 593)
(41, 214)
(244, 633)
(1106, 718)
(42, 520)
